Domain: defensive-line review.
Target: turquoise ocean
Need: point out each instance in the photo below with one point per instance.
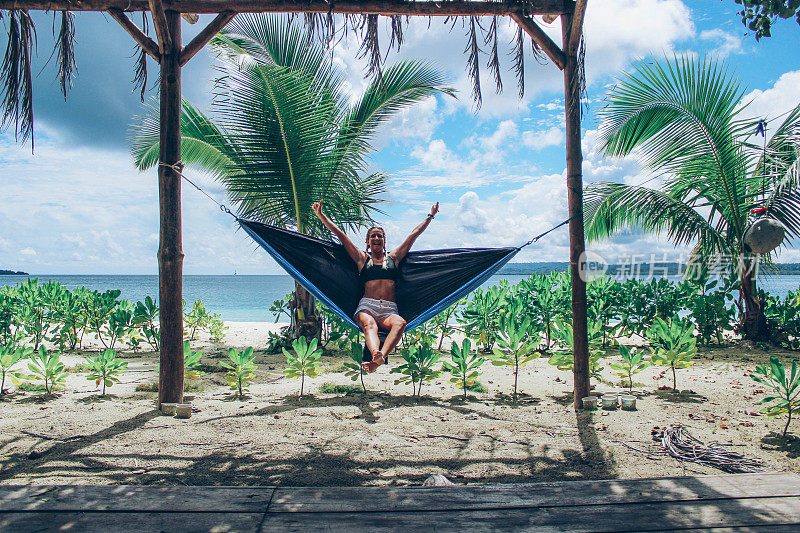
(248, 298)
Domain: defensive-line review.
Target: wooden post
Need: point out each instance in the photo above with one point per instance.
(170, 251)
(575, 203)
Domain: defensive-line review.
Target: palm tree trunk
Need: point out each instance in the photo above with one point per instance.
(306, 320)
(753, 325)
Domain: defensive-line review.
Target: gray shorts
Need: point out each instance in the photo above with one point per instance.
(379, 309)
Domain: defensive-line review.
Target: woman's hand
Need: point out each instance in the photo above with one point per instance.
(317, 207)
(435, 209)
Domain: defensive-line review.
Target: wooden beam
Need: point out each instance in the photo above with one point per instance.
(170, 248)
(202, 38)
(577, 245)
(160, 22)
(577, 27)
(149, 46)
(540, 37)
(444, 8)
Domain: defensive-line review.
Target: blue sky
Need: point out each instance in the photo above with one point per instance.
(77, 205)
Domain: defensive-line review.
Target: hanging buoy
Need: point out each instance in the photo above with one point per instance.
(764, 235)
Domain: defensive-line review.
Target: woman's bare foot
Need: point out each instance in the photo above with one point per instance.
(377, 360)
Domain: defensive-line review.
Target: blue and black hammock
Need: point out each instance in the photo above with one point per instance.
(430, 280)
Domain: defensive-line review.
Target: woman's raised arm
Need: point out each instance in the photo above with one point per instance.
(352, 250)
(401, 251)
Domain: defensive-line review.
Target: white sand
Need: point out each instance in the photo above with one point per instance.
(384, 437)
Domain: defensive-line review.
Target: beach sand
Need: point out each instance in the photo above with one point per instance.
(385, 437)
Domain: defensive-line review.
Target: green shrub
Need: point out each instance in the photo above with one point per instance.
(304, 361)
(241, 370)
(563, 356)
(9, 356)
(783, 318)
(48, 367)
(191, 360)
(464, 367)
(673, 344)
(105, 368)
(480, 318)
(330, 388)
(418, 367)
(353, 368)
(632, 363)
(786, 396)
(516, 347)
(145, 316)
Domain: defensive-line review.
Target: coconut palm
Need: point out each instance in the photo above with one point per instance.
(683, 117)
(285, 133)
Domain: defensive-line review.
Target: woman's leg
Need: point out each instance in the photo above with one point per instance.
(395, 324)
(370, 328)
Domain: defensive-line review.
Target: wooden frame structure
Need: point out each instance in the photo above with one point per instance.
(171, 56)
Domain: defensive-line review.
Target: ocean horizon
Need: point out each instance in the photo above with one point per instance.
(247, 298)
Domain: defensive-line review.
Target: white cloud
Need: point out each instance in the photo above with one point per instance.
(777, 100)
(469, 216)
(620, 30)
(542, 139)
(80, 210)
(726, 43)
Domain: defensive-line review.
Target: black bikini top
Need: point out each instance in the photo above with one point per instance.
(371, 271)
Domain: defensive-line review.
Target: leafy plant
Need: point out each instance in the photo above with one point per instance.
(145, 315)
(281, 307)
(547, 298)
(9, 356)
(673, 344)
(465, 365)
(516, 347)
(353, 368)
(480, 318)
(31, 311)
(120, 323)
(304, 362)
(783, 317)
(216, 327)
(105, 368)
(604, 295)
(683, 117)
(8, 303)
(99, 307)
(632, 363)
(418, 367)
(563, 357)
(785, 399)
(441, 322)
(197, 318)
(48, 367)
(241, 369)
(191, 360)
(709, 307)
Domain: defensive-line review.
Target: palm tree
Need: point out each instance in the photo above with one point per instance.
(286, 134)
(682, 118)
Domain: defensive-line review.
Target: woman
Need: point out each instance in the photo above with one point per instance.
(378, 271)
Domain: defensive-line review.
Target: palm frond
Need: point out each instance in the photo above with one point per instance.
(65, 43)
(473, 52)
(610, 207)
(494, 56)
(203, 145)
(17, 102)
(140, 73)
(402, 86)
(519, 59)
(680, 116)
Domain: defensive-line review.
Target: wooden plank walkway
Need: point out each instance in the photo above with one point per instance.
(742, 502)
